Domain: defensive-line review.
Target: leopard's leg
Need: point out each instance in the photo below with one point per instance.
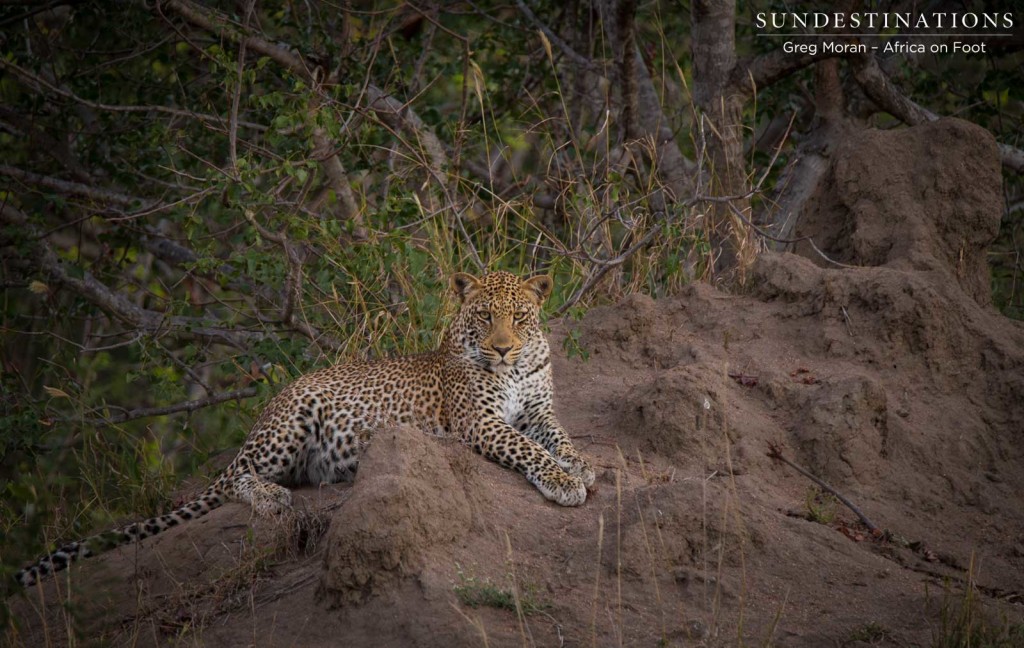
(537, 421)
(547, 431)
(500, 442)
(275, 453)
(253, 479)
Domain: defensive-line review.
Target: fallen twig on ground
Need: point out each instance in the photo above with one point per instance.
(775, 452)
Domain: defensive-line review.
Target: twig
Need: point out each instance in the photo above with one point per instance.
(236, 97)
(764, 234)
(293, 280)
(846, 316)
(775, 452)
(605, 267)
(552, 37)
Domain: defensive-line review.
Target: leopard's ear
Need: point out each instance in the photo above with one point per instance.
(539, 287)
(464, 285)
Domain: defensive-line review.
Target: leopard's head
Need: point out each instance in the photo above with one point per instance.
(498, 317)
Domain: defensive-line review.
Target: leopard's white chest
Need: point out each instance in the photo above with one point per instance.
(513, 404)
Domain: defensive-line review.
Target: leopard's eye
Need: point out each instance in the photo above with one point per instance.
(522, 316)
(483, 315)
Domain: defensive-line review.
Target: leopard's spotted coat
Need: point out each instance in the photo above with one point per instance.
(489, 383)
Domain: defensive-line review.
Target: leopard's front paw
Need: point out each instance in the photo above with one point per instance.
(571, 462)
(561, 488)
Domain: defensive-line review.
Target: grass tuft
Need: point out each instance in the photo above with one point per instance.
(871, 633)
(474, 592)
(821, 506)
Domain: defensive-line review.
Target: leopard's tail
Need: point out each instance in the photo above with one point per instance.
(212, 498)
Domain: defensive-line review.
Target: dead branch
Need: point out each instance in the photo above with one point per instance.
(42, 84)
(186, 406)
(1012, 158)
(337, 177)
(880, 89)
(70, 188)
(401, 117)
(775, 452)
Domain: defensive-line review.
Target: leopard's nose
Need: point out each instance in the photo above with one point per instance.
(502, 349)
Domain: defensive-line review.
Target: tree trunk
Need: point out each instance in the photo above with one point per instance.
(720, 104)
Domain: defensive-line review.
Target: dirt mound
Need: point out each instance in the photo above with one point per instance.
(894, 380)
(408, 501)
(923, 198)
(936, 369)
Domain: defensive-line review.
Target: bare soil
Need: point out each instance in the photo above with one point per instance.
(895, 381)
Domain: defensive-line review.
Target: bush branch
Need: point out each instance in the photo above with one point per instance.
(115, 304)
(333, 169)
(292, 285)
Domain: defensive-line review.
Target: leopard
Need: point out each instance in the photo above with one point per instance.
(488, 383)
